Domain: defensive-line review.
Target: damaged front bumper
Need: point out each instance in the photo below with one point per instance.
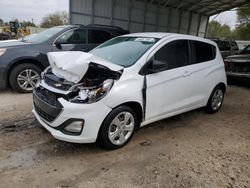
(58, 113)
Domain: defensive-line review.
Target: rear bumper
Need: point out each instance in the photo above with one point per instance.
(238, 75)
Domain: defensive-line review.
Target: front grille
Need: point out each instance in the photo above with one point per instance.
(46, 104)
(49, 97)
(43, 114)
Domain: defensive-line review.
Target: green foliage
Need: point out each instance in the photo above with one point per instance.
(242, 30)
(243, 14)
(54, 19)
(215, 29)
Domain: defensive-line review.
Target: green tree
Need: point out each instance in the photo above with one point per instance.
(57, 18)
(242, 30)
(215, 29)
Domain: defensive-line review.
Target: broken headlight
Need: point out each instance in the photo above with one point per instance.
(93, 94)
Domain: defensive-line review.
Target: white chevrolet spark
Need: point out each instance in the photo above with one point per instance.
(126, 83)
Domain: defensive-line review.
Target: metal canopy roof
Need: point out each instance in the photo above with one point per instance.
(205, 7)
(175, 16)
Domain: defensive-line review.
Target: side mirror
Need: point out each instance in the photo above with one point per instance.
(58, 45)
(154, 66)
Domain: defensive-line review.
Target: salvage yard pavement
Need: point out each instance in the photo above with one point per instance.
(190, 150)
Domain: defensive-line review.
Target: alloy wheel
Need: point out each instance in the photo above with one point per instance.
(217, 99)
(27, 79)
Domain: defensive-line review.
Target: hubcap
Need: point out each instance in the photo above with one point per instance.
(121, 128)
(27, 79)
(217, 99)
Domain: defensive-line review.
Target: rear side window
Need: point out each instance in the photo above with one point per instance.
(202, 52)
(98, 36)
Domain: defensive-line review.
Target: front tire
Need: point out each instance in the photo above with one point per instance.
(24, 77)
(215, 100)
(118, 128)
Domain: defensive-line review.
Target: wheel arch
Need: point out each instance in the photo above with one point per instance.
(23, 61)
(222, 85)
(136, 106)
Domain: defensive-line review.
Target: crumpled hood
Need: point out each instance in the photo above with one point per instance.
(73, 65)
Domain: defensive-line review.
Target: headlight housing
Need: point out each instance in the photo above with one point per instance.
(2, 51)
(93, 94)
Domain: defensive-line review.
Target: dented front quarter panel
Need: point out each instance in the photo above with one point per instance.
(127, 89)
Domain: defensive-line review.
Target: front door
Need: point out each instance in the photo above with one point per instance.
(169, 87)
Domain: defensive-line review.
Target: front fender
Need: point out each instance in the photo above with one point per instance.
(129, 90)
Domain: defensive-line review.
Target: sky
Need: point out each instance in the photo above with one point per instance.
(228, 17)
(26, 10)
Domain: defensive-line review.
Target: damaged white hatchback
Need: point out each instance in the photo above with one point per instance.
(126, 83)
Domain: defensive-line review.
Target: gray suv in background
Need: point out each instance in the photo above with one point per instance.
(227, 47)
(21, 62)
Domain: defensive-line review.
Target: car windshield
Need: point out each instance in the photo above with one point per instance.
(43, 36)
(124, 51)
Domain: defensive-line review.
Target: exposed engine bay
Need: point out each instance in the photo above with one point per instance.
(95, 83)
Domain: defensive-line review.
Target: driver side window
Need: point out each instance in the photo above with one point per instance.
(77, 36)
(173, 55)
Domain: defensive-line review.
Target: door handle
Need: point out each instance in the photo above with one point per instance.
(186, 73)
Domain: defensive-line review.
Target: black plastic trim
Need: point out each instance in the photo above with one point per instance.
(144, 96)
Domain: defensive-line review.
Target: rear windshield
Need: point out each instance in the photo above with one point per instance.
(124, 51)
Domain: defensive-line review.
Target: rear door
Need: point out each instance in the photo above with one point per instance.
(202, 65)
(72, 40)
(169, 87)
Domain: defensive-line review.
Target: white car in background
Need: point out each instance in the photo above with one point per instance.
(126, 83)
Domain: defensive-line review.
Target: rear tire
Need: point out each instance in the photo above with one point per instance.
(24, 77)
(118, 128)
(215, 100)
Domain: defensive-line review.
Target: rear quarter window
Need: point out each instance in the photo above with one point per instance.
(202, 52)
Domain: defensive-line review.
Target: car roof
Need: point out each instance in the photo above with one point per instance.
(161, 35)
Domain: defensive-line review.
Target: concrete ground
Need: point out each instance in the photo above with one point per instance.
(190, 150)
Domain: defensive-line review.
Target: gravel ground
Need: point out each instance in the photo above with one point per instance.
(190, 150)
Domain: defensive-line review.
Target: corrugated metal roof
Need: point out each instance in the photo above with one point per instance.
(205, 7)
